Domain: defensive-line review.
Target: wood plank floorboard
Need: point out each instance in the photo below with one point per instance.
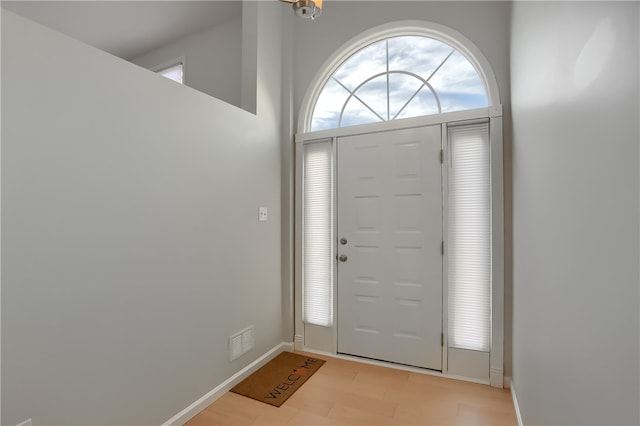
(346, 392)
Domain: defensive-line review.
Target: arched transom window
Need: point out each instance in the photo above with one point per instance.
(398, 77)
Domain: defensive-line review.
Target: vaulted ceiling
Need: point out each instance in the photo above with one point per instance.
(127, 28)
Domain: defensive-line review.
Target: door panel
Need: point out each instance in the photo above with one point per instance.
(390, 213)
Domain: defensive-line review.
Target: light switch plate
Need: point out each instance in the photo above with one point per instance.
(263, 214)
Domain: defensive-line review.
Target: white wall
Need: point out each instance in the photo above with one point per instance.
(575, 183)
(486, 24)
(213, 60)
(131, 248)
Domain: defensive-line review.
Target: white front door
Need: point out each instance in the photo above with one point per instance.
(389, 223)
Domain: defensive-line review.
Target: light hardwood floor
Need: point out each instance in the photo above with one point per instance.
(344, 392)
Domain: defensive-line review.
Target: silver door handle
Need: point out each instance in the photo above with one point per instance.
(343, 258)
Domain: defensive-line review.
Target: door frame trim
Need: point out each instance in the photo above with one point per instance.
(493, 113)
(324, 339)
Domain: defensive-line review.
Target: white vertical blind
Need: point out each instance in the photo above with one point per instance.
(469, 231)
(317, 288)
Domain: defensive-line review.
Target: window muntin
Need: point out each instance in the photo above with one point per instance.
(398, 77)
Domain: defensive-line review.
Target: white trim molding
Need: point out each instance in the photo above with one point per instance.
(515, 405)
(298, 342)
(203, 402)
(497, 252)
(496, 377)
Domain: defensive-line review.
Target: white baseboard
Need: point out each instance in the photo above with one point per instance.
(188, 413)
(496, 377)
(298, 341)
(515, 404)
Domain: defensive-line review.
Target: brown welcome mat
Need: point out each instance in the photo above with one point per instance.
(278, 379)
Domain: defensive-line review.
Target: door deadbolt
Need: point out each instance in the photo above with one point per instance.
(343, 258)
(343, 241)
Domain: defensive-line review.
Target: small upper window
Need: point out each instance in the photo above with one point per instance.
(174, 72)
(398, 77)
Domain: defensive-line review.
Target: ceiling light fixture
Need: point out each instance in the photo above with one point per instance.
(306, 8)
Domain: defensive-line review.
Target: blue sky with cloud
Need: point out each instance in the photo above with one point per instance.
(400, 77)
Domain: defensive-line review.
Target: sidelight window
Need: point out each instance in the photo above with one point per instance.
(317, 291)
(469, 220)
